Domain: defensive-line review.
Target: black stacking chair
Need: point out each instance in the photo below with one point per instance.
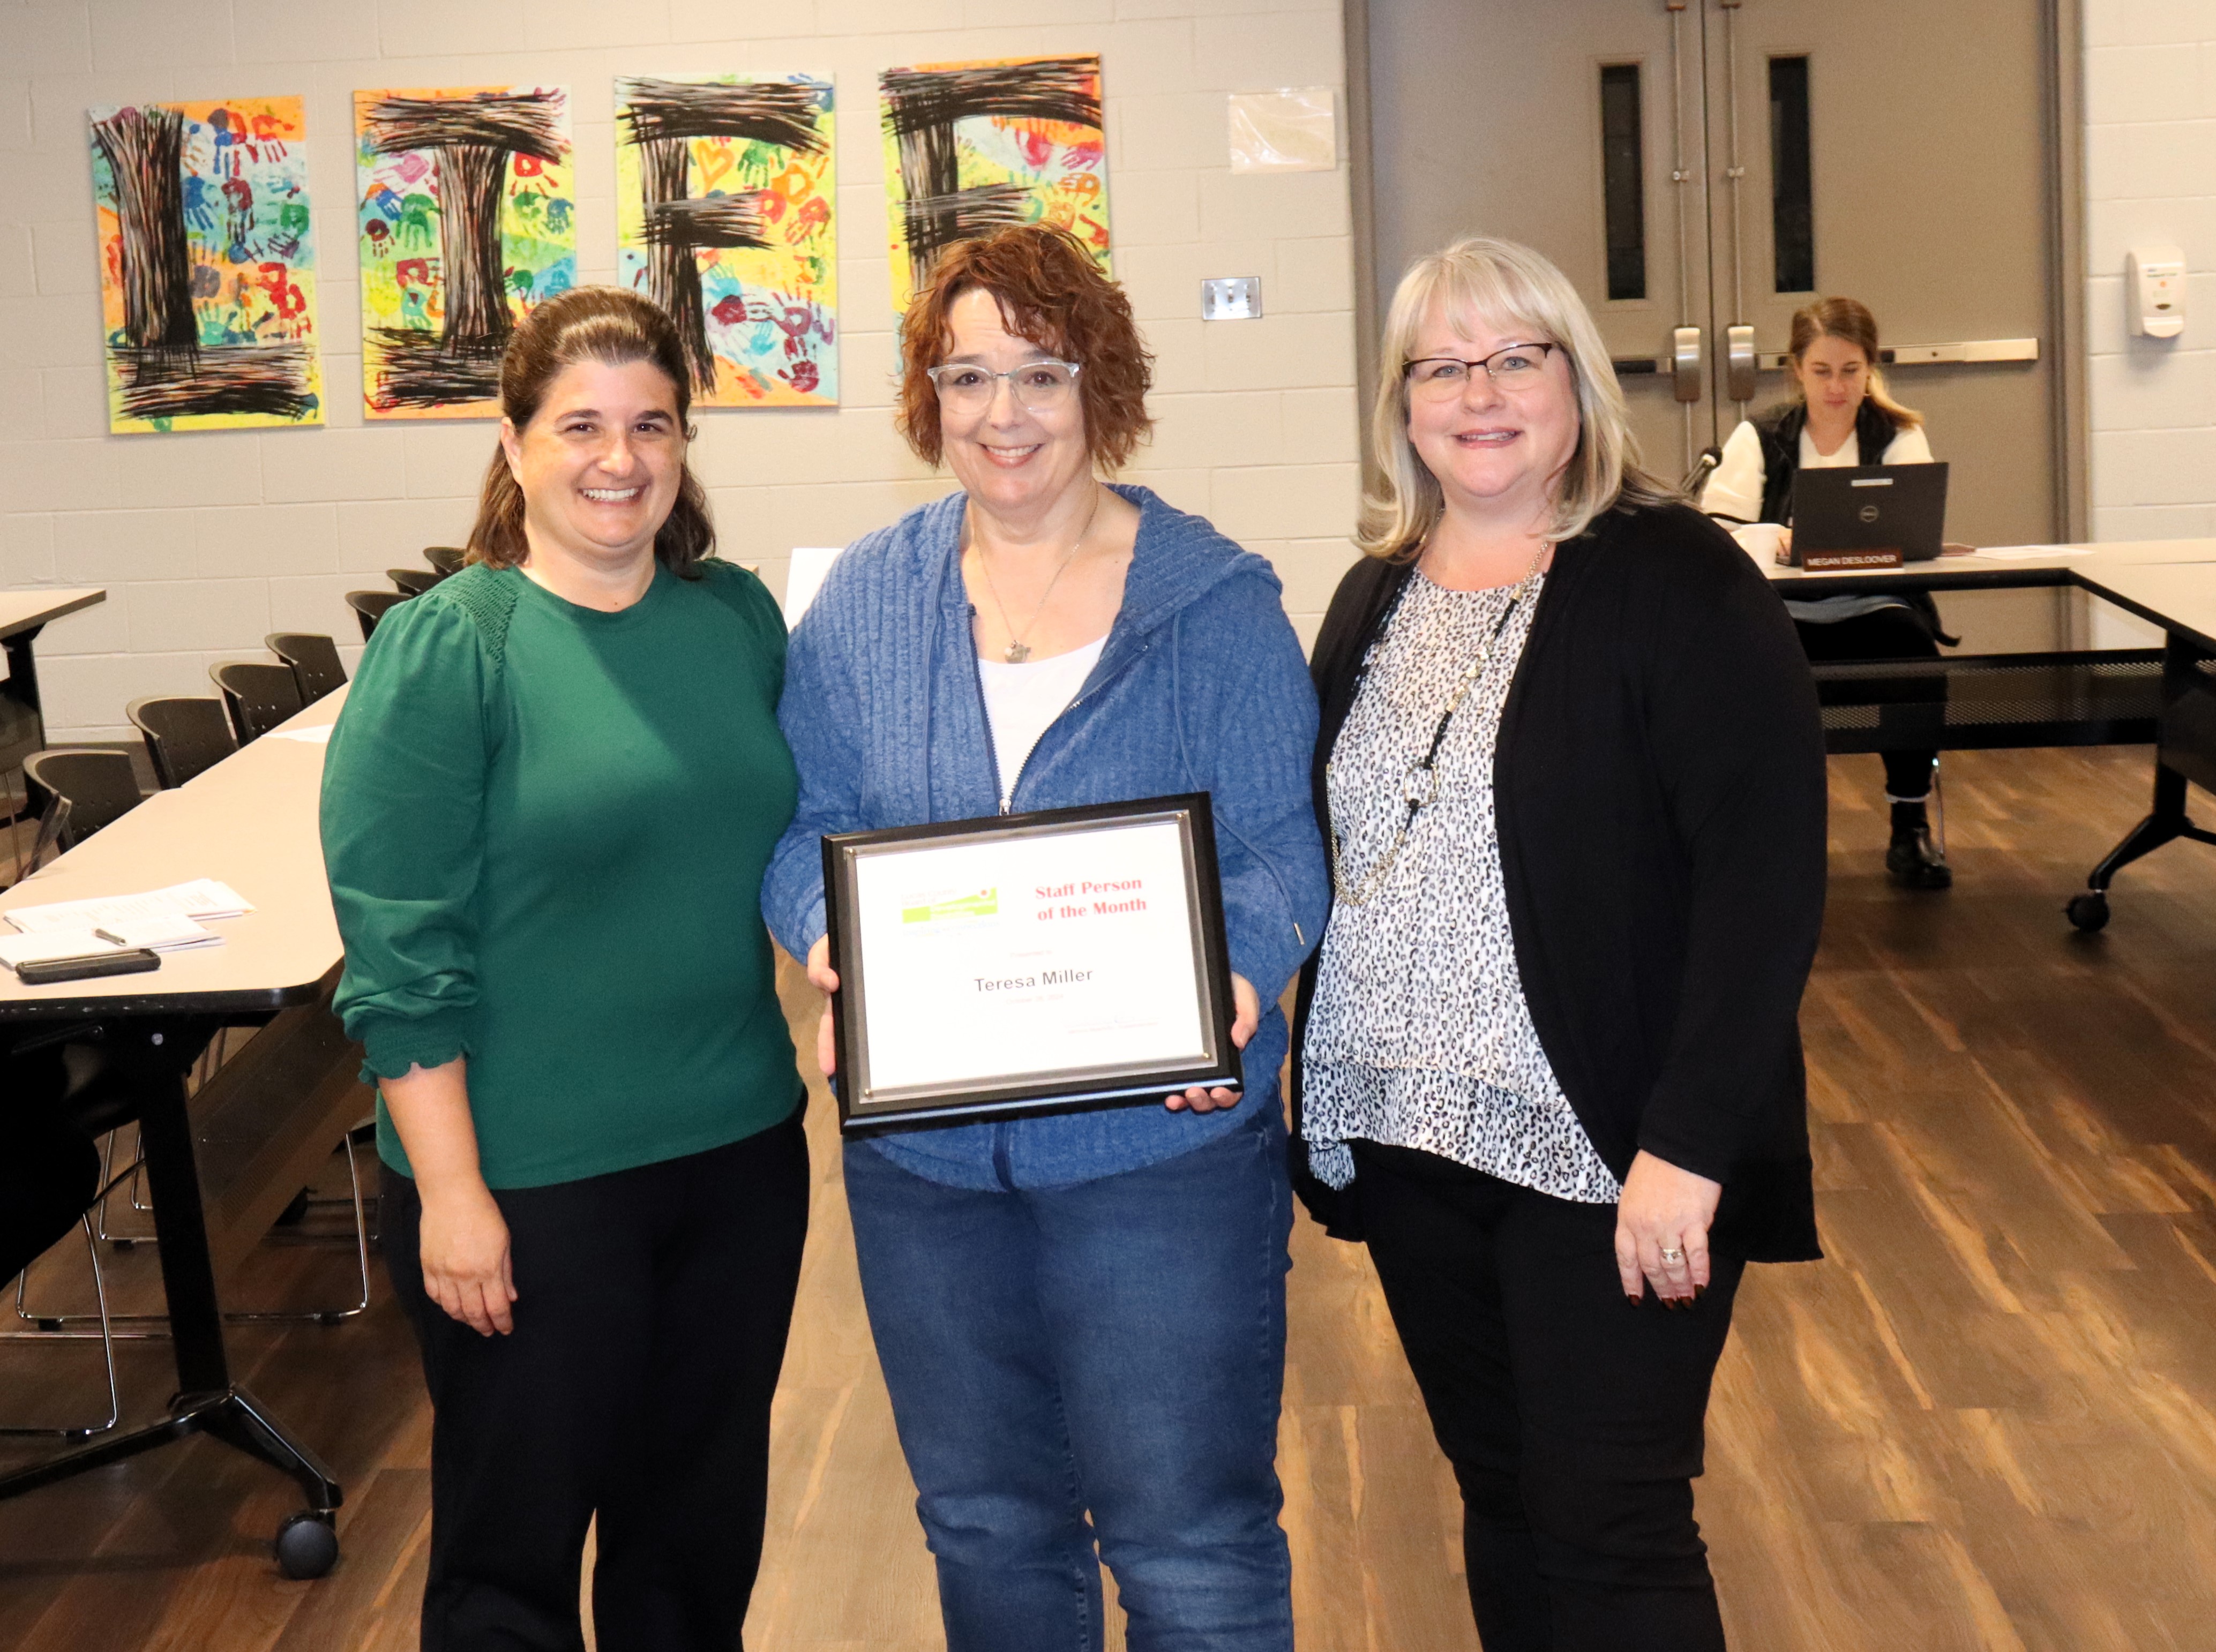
(75, 793)
(184, 733)
(369, 607)
(413, 581)
(314, 659)
(67, 1097)
(448, 559)
(258, 697)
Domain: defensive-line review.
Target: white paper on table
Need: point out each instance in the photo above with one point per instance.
(319, 735)
(803, 576)
(53, 943)
(2033, 553)
(158, 934)
(1028, 956)
(201, 899)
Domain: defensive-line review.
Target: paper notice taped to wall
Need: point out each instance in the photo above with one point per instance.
(1295, 129)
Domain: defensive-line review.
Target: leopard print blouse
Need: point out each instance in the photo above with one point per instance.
(1419, 1035)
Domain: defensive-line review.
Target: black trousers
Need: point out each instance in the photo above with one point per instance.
(1574, 1420)
(1888, 634)
(651, 1311)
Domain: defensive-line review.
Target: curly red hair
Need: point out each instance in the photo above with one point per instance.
(1051, 294)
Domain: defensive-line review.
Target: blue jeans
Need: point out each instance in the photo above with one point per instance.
(1114, 1348)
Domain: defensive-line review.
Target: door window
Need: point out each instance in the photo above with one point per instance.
(1792, 211)
(1623, 180)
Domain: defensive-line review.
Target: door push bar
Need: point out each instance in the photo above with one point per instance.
(1684, 361)
(1930, 355)
(1685, 365)
(1739, 363)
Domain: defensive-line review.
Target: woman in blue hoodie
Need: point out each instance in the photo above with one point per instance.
(1081, 1316)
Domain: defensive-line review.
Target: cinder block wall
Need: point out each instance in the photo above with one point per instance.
(207, 542)
(2151, 178)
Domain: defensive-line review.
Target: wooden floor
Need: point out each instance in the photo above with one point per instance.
(1988, 1420)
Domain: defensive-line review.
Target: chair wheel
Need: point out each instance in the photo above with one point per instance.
(307, 1546)
(2089, 912)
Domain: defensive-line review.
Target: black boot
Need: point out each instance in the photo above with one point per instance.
(1911, 859)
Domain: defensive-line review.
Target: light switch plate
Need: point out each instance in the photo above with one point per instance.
(1231, 298)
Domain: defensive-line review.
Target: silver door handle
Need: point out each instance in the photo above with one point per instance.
(1924, 355)
(1739, 363)
(1685, 363)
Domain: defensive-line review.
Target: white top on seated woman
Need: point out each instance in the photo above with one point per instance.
(1839, 415)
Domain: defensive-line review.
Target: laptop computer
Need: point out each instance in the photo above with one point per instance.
(1874, 507)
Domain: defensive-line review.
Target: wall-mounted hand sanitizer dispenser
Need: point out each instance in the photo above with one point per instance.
(2154, 286)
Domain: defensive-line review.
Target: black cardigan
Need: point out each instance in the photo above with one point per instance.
(1659, 787)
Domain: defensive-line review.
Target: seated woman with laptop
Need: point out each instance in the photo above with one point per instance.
(1840, 415)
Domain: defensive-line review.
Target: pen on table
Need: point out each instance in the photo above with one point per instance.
(109, 934)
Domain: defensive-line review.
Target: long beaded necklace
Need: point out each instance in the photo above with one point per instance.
(1420, 785)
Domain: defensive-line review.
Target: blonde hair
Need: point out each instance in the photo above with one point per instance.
(1506, 283)
(1849, 319)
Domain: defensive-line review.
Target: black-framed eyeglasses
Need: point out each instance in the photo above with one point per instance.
(1512, 367)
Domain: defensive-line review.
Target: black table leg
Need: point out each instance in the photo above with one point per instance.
(2183, 752)
(159, 1051)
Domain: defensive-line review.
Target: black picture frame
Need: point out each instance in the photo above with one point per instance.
(864, 1110)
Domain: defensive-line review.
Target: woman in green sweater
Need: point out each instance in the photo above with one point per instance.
(546, 811)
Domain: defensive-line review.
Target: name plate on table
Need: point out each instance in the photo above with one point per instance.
(1028, 963)
(1816, 561)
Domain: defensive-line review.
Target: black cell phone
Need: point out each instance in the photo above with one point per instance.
(44, 972)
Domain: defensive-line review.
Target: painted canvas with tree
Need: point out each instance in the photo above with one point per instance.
(207, 264)
(726, 205)
(973, 147)
(466, 220)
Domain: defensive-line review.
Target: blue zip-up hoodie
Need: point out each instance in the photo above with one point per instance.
(1200, 687)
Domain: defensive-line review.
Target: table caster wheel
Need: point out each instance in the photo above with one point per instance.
(2089, 912)
(307, 1546)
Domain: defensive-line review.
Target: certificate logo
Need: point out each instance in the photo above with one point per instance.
(943, 908)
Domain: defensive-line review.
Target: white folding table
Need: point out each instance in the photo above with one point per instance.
(250, 821)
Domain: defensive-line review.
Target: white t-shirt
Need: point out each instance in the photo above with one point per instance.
(1022, 702)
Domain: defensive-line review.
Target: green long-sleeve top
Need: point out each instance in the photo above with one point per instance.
(546, 828)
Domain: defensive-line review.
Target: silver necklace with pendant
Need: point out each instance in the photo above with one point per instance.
(1019, 650)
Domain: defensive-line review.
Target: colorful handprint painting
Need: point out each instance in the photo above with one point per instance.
(467, 218)
(973, 147)
(207, 264)
(726, 217)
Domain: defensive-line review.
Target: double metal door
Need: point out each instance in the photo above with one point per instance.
(1702, 169)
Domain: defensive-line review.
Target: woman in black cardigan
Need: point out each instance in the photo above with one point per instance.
(1548, 1061)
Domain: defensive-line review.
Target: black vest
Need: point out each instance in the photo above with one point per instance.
(1779, 430)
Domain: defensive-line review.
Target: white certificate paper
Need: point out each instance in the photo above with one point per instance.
(1035, 956)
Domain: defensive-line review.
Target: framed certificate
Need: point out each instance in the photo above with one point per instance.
(1028, 963)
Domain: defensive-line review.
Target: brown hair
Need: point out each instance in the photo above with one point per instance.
(1849, 319)
(608, 325)
(1051, 294)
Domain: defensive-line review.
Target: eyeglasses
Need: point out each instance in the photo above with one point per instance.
(1040, 387)
(1515, 368)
